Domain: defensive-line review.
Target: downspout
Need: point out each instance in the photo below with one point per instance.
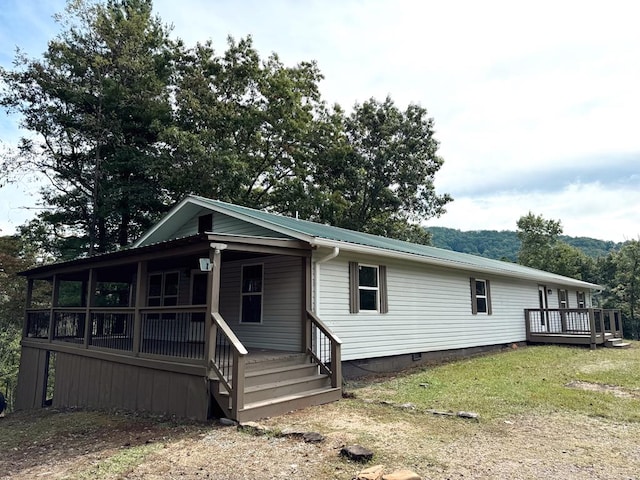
(316, 273)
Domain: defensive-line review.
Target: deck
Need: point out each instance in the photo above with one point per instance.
(574, 326)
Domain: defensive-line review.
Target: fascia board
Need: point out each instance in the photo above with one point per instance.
(368, 250)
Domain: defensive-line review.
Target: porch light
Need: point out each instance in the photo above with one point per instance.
(549, 291)
(205, 264)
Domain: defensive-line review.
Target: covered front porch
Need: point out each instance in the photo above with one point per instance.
(576, 326)
(199, 313)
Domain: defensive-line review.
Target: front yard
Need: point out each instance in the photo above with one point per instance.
(544, 412)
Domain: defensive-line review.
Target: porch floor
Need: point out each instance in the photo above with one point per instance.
(257, 355)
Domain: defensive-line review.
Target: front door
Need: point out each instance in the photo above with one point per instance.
(542, 295)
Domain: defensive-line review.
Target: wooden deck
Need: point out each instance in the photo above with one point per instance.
(574, 326)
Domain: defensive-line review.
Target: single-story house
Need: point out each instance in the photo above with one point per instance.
(226, 310)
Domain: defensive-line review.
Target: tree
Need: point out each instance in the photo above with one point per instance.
(541, 248)
(244, 130)
(378, 176)
(625, 287)
(95, 104)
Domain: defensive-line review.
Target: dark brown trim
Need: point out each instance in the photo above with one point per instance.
(487, 284)
(474, 302)
(354, 300)
(382, 289)
(168, 364)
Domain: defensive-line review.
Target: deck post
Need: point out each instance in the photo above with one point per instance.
(306, 300)
(592, 328)
(25, 327)
(89, 299)
(563, 321)
(527, 323)
(602, 331)
(336, 365)
(237, 392)
(141, 294)
(54, 303)
(215, 257)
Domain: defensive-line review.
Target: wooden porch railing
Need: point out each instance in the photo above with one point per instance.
(324, 347)
(586, 323)
(227, 360)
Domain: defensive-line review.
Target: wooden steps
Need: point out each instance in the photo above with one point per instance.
(277, 386)
(615, 342)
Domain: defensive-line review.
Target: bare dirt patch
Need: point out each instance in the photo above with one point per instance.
(604, 388)
(524, 447)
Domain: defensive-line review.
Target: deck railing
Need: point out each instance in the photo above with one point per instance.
(227, 361)
(591, 323)
(324, 347)
(177, 331)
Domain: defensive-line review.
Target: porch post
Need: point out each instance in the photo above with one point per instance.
(25, 327)
(214, 296)
(141, 295)
(592, 327)
(89, 298)
(54, 302)
(306, 303)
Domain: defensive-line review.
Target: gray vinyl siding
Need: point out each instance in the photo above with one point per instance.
(224, 224)
(281, 327)
(429, 310)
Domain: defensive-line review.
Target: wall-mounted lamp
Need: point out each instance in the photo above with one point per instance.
(205, 264)
(549, 291)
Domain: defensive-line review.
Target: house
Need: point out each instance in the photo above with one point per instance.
(225, 310)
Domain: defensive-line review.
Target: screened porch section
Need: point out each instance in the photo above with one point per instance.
(102, 309)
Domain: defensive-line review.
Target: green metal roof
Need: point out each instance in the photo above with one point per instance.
(343, 238)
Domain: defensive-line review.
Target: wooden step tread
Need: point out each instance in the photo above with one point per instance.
(286, 368)
(293, 396)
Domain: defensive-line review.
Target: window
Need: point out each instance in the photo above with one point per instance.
(480, 296)
(367, 288)
(563, 298)
(581, 298)
(163, 289)
(251, 296)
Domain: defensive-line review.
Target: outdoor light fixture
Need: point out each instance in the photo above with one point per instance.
(549, 291)
(205, 264)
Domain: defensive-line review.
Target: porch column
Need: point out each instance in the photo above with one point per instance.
(592, 327)
(141, 295)
(213, 295)
(54, 302)
(89, 298)
(25, 327)
(306, 303)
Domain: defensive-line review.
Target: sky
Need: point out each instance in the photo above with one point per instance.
(535, 104)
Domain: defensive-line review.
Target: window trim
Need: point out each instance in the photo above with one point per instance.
(382, 301)
(584, 299)
(563, 293)
(475, 297)
(247, 294)
(368, 288)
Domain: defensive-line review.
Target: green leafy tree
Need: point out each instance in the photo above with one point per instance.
(541, 248)
(246, 129)
(377, 177)
(95, 104)
(625, 286)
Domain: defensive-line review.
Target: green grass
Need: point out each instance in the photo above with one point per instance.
(526, 380)
(119, 463)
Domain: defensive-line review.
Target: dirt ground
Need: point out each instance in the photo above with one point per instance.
(134, 447)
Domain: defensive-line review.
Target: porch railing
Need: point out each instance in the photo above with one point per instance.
(324, 347)
(593, 323)
(227, 361)
(177, 331)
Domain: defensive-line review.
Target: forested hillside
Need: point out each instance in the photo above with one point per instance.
(505, 244)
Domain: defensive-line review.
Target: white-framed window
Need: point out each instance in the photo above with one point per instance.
(480, 296)
(581, 299)
(563, 298)
(368, 288)
(251, 293)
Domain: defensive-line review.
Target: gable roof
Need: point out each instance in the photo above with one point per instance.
(320, 235)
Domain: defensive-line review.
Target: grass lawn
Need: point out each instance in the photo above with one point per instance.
(525, 380)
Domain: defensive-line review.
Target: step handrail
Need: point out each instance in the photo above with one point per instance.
(317, 337)
(227, 359)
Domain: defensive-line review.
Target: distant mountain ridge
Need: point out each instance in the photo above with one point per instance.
(504, 245)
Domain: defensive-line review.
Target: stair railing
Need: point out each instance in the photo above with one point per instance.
(324, 347)
(227, 360)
